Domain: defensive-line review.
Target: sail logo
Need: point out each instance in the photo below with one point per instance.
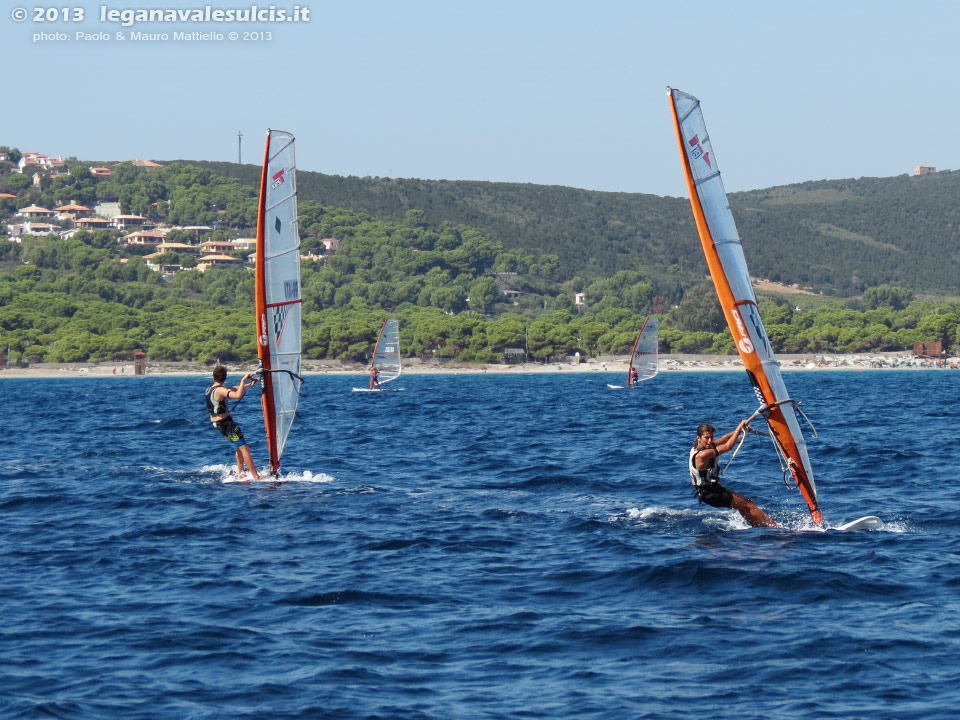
(277, 180)
(263, 330)
(758, 330)
(279, 318)
(697, 151)
(744, 344)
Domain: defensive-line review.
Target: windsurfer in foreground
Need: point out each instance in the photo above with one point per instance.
(217, 396)
(374, 377)
(705, 475)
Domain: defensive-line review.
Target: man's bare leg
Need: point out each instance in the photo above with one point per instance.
(243, 455)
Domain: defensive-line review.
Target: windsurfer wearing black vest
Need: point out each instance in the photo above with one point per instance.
(216, 396)
(705, 475)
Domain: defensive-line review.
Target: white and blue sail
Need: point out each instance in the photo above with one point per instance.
(278, 298)
(386, 353)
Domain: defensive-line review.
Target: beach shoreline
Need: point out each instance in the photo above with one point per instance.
(612, 366)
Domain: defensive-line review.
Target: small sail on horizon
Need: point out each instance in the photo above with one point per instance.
(728, 270)
(277, 292)
(645, 356)
(386, 353)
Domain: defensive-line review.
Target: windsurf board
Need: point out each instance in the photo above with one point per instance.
(869, 522)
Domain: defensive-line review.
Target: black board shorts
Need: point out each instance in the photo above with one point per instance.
(714, 494)
(231, 431)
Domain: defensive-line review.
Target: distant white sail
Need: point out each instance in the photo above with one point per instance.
(278, 301)
(645, 357)
(386, 353)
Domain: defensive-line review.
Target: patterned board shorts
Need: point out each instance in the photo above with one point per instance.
(231, 431)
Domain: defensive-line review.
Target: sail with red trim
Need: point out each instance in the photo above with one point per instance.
(278, 301)
(645, 357)
(728, 269)
(386, 353)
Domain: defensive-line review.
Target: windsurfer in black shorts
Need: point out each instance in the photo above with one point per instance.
(216, 396)
(705, 475)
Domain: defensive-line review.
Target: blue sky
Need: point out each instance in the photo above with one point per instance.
(559, 92)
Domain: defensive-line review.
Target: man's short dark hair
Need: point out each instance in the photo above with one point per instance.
(219, 374)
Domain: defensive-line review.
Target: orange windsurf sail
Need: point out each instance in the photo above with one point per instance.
(728, 269)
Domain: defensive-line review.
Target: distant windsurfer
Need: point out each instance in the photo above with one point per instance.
(633, 380)
(705, 475)
(216, 397)
(374, 377)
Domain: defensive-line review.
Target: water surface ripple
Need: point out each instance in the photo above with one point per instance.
(520, 546)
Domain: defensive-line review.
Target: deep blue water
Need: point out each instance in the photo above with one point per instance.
(476, 547)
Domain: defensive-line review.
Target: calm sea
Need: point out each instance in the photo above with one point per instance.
(517, 546)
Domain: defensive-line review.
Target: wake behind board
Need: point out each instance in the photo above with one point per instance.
(378, 389)
(869, 522)
(616, 387)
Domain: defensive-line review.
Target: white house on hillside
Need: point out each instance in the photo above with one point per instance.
(35, 211)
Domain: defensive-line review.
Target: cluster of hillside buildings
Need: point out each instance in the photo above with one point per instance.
(40, 165)
(39, 221)
(36, 221)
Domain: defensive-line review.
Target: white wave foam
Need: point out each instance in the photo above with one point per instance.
(306, 476)
(655, 512)
(228, 474)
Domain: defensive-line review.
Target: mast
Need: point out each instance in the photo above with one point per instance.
(633, 354)
(260, 303)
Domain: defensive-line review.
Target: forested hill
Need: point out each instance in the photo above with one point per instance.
(592, 233)
(838, 236)
(851, 234)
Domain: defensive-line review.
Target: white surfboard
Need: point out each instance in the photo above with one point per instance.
(615, 387)
(381, 389)
(869, 522)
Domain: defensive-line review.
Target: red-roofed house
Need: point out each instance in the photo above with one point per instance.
(101, 172)
(145, 163)
(93, 223)
(209, 261)
(73, 211)
(218, 246)
(122, 222)
(34, 211)
(30, 160)
(178, 247)
(330, 245)
(39, 161)
(163, 268)
(144, 237)
(33, 228)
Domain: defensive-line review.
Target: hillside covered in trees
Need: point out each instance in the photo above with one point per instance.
(91, 298)
(838, 237)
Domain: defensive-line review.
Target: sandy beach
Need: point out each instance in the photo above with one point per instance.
(414, 366)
